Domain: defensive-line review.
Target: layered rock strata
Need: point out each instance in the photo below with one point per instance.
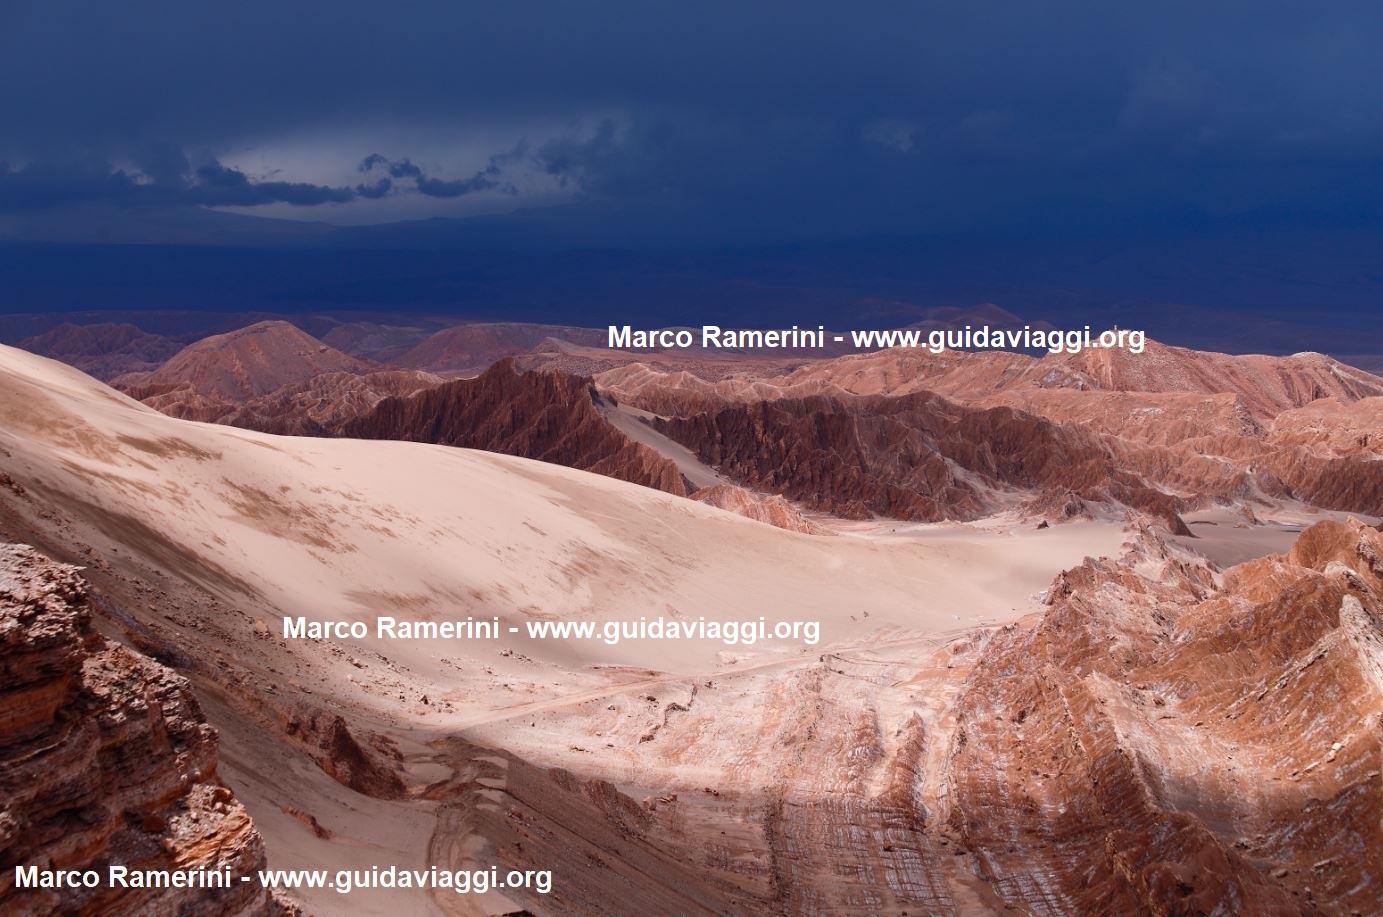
(105, 760)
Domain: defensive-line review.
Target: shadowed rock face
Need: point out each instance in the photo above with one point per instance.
(545, 416)
(105, 758)
(1163, 746)
(331, 745)
(916, 457)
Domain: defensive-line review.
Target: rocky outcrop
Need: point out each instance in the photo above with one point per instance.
(1160, 745)
(550, 417)
(1332, 427)
(772, 510)
(1325, 454)
(329, 742)
(105, 759)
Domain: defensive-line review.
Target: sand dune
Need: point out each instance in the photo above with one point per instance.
(337, 529)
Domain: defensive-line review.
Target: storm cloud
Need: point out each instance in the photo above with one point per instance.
(726, 118)
(44, 184)
(484, 180)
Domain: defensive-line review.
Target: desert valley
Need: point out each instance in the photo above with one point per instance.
(1098, 633)
(625, 459)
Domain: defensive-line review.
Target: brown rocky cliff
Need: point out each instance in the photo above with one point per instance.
(550, 417)
(105, 758)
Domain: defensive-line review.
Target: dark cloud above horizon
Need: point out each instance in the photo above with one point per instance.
(46, 184)
(730, 120)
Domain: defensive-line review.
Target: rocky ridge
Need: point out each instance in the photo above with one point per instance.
(545, 416)
(917, 457)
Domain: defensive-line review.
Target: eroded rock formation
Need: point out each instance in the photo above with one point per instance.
(105, 758)
(1160, 745)
(773, 510)
(314, 407)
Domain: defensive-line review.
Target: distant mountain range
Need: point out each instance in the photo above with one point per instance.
(898, 434)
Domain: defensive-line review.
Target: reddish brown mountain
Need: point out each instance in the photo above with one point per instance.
(1326, 454)
(546, 416)
(1163, 746)
(103, 350)
(1162, 432)
(1268, 385)
(922, 457)
(244, 364)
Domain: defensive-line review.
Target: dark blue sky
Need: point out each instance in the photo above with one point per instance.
(1206, 170)
(707, 123)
